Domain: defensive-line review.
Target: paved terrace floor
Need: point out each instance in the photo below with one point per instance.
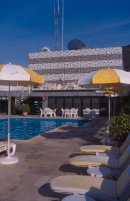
(44, 158)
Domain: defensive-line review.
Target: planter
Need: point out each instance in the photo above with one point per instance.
(25, 114)
(25, 108)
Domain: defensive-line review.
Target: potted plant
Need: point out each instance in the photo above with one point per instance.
(25, 109)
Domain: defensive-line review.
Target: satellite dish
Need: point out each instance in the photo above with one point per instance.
(76, 44)
(45, 49)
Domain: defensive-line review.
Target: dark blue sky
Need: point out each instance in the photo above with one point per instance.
(28, 25)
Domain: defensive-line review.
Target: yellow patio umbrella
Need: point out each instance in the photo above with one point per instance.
(16, 75)
(109, 77)
(112, 80)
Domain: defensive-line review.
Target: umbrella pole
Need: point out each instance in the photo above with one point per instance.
(9, 159)
(109, 108)
(114, 104)
(9, 114)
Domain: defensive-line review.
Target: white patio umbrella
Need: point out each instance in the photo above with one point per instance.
(114, 80)
(16, 75)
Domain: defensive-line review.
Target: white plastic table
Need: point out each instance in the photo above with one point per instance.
(100, 171)
(78, 198)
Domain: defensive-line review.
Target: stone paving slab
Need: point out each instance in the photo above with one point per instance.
(44, 158)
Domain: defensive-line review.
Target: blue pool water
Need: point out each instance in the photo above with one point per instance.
(27, 128)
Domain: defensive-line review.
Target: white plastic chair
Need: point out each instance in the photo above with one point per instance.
(54, 112)
(46, 112)
(49, 112)
(42, 112)
(74, 112)
(96, 111)
(63, 112)
(93, 114)
(67, 113)
(87, 112)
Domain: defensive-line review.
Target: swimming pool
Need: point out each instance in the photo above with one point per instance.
(28, 128)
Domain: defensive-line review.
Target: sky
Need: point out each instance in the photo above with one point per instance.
(27, 26)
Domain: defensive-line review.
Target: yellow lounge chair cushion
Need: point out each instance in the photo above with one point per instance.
(99, 148)
(106, 148)
(88, 160)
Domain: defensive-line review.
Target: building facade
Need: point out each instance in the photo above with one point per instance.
(65, 68)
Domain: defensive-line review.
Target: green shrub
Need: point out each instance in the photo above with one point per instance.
(120, 126)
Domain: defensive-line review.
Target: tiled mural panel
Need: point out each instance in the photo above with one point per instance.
(81, 64)
(75, 58)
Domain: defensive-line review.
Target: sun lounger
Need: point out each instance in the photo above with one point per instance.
(100, 188)
(105, 148)
(93, 160)
(3, 147)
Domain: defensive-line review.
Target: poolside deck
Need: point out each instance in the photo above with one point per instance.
(44, 158)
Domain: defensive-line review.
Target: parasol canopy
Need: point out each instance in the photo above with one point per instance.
(18, 75)
(108, 77)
